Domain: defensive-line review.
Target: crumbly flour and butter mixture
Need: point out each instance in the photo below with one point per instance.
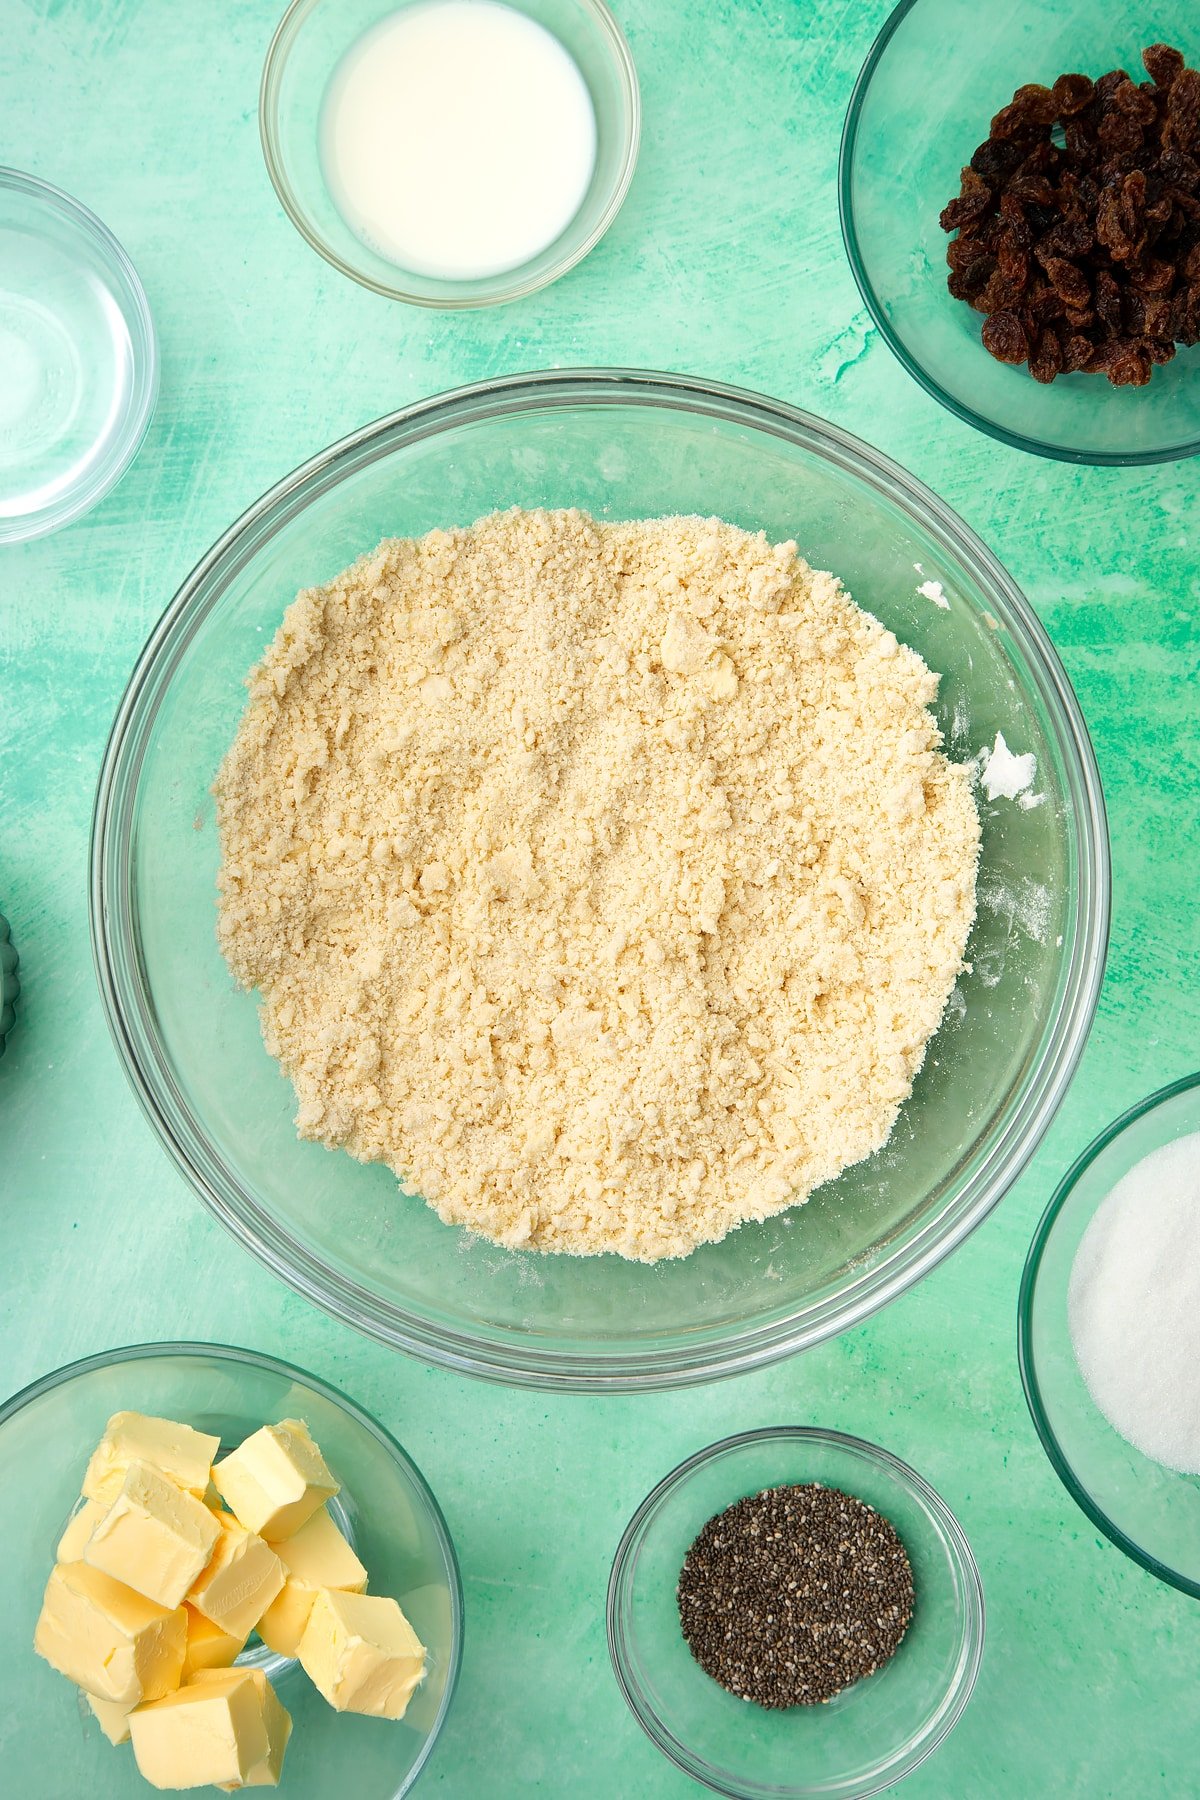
(607, 881)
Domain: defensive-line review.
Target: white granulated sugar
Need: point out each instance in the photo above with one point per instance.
(932, 590)
(1134, 1306)
(1004, 775)
(606, 881)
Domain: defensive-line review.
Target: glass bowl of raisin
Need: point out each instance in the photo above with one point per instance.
(1020, 200)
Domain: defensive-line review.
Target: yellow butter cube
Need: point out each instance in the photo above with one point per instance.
(277, 1723)
(154, 1537)
(275, 1480)
(361, 1652)
(114, 1643)
(80, 1527)
(320, 1554)
(242, 1578)
(180, 1453)
(208, 1647)
(282, 1625)
(317, 1556)
(226, 1728)
(112, 1717)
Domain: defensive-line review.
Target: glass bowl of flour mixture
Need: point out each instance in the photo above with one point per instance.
(1112, 1281)
(620, 445)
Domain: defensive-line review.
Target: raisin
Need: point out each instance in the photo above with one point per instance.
(1135, 103)
(1046, 360)
(1004, 337)
(1183, 110)
(1120, 218)
(1119, 135)
(1153, 276)
(1083, 248)
(1013, 264)
(1071, 94)
(1178, 168)
(1133, 314)
(971, 204)
(1127, 364)
(1070, 238)
(1032, 190)
(997, 163)
(1000, 294)
(1108, 300)
(1069, 282)
(1011, 120)
(1077, 352)
(1162, 64)
(1045, 307)
(1108, 84)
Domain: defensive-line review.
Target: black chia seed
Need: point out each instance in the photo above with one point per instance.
(791, 1595)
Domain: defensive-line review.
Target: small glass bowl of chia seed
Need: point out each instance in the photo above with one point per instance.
(875, 1730)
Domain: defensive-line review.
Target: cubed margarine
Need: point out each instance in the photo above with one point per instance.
(225, 1728)
(154, 1537)
(318, 1556)
(112, 1717)
(242, 1578)
(80, 1527)
(114, 1643)
(277, 1724)
(361, 1652)
(208, 1647)
(177, 1451)
(275, 1480)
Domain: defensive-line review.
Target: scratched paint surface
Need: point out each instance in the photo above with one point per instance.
(725, 262)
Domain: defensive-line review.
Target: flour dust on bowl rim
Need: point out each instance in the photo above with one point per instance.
(619, 444)
(385, 1506)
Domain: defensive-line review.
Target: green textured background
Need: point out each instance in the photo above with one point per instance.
(725, 262)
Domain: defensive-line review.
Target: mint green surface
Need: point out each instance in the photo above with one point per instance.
(725, 262)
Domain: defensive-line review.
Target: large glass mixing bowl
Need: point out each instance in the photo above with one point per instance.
(621, 444)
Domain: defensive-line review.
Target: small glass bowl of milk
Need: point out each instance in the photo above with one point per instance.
(450, 153)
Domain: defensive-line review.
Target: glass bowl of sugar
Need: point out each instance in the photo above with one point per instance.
(450, 153)
(1109, 1332)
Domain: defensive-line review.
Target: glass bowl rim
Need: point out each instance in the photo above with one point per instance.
(972, 1589)
(1027, 1361)
(850, 238)
(144, 358)
(464, 298)
(507, 1356)
(277, 1365)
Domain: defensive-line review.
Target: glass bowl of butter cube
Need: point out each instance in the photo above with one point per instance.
(218, 1572)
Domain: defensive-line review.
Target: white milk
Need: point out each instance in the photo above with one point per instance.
(458, 138)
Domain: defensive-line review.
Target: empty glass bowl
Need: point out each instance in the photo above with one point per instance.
(925, 98)
(1151, 1513)
(78, 359)
(312, 38)
(48, 1432)
(626, 445)
(866, 1737)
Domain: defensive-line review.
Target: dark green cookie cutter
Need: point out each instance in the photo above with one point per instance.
(10, 986)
